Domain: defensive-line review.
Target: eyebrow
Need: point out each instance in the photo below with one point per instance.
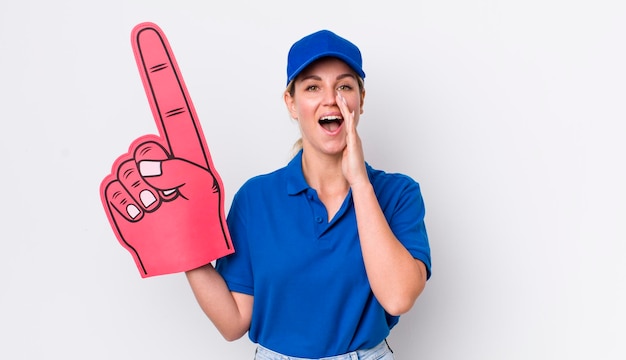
(340, 77)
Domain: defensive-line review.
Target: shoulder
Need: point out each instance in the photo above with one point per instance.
(261, 186)
(396, 191)
(390, 181)
(270, 179)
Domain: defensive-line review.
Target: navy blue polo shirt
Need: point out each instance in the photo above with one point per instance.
(311, 294)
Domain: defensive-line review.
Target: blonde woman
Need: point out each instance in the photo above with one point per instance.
(329, 251)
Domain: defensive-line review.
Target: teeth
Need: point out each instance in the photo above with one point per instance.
(331, 118)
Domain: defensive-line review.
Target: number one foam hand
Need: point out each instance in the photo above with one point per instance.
(164, 199)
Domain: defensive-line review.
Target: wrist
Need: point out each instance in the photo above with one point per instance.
(361, 186)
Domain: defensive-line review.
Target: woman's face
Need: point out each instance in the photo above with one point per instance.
(314, 104)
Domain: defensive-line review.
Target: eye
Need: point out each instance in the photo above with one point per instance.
(311, 88)
(344, 87)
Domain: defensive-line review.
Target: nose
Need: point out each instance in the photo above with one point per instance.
(330, 98)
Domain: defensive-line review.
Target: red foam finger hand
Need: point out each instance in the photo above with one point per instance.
(164, 199)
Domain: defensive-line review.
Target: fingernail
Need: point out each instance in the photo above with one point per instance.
(132, 211)
(147, 198)
(150, 168)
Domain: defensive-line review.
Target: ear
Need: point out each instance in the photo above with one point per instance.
(362, 101)
(291, 105)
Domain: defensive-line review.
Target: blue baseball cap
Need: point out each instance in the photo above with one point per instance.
(323, 43)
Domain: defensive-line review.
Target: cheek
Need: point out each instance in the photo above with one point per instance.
(306, 109)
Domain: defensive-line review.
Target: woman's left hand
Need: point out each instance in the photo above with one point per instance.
(353, 162)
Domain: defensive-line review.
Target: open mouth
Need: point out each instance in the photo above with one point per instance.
(331, 123)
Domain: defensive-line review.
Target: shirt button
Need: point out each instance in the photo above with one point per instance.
(318, 219)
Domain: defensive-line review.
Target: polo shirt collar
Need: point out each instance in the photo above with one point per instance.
(295, 177)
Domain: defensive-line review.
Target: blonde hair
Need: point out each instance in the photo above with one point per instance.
(291, 90)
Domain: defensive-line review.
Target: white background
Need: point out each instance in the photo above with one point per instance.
(510, 114)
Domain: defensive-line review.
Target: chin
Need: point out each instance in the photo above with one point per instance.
(334, 150)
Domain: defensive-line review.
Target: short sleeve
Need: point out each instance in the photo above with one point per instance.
(236, 268)
(407, 222)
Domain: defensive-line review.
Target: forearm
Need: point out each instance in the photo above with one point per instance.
(230, 312)
(396, 278)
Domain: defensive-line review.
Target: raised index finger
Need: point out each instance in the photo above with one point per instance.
(167, 94)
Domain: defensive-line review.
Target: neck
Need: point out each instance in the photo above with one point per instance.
(324, 172)
(325, 175)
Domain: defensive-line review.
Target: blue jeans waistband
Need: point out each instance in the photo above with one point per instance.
(378, 352)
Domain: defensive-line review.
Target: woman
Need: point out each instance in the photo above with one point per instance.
(329, 251)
